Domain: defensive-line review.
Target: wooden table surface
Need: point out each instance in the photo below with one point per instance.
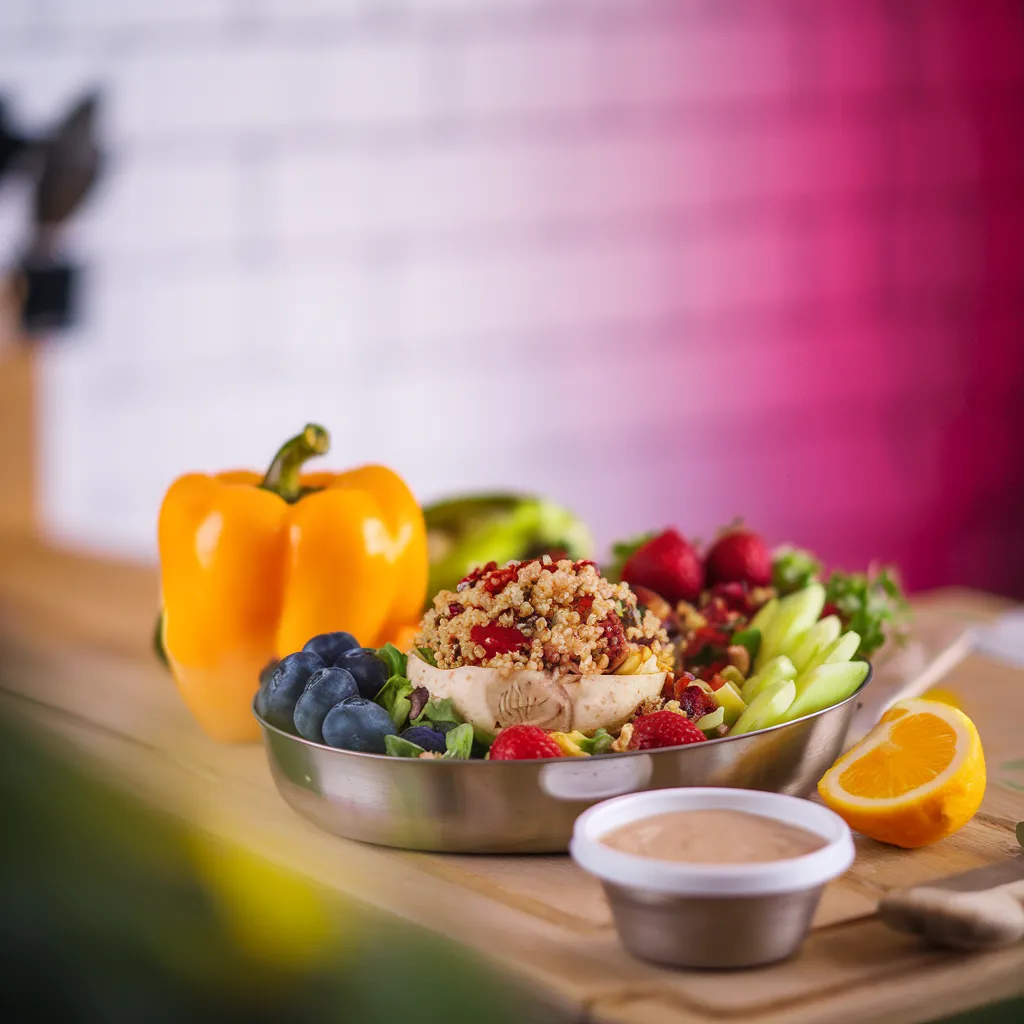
(74, 644)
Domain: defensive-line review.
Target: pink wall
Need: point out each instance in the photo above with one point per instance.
(686, 259)
(848, 367)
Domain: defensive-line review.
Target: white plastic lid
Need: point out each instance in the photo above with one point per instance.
(761, 878)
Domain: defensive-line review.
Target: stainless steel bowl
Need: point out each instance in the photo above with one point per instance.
(530, 806)
(713, 931)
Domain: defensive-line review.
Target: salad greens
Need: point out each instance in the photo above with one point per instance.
(397, 747)
(395, 660)
(870, 603)
(458, 744)
(438, 712)
(399, 698)
(394, 699)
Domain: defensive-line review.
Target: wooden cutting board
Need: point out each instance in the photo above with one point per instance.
(74, 645)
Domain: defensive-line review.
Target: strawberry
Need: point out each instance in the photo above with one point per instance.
(663, 729)
(669, 565)
(523, 743)
(739, 556)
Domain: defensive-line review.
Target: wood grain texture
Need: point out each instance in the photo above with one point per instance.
(74, 643)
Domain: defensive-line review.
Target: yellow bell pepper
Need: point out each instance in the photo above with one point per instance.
(252, 567)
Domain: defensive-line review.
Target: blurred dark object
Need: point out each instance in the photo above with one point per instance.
(110, 911)
(11, 143)
(469, 531)
(64, 166)
(71, 163)
(50, 296)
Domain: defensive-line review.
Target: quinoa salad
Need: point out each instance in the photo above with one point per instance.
(548, 658)
(561, 617)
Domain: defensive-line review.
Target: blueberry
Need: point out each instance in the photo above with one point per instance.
(329, 647)
(424, 736)
(326, 687)
(369, 671)
(282, 690)
(358, 724)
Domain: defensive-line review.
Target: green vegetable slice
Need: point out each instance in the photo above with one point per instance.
(813, 644)
(763, 617)
(793, 616)
(750, 639)
(427, 655)
(596, 744)
(438, 712)
(394, 699)
(712, 720)
(768, 708)
(775, 671)
(395, 660)
(459, 742)
(397, 747)
(825, 686)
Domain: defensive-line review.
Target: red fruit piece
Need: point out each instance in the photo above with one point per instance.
(499, 579)
(663, 729)
(695, 702)
(498, 639)
(615, 637)
(478, 573)
(710, 673)
(739, 556)
(735, 596)
(523, 743)
(668, 565)
(703, 637)
(672, 688)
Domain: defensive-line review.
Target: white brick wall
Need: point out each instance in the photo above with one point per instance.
(379, 213)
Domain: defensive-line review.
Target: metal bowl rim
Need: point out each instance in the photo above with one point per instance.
(267, 727)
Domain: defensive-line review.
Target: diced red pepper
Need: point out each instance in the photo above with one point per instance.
(709, 673)
(498, 639)
(499, 579)
(478, 573)
(703, 637)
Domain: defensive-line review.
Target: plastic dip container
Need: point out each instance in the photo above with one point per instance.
(712, 915)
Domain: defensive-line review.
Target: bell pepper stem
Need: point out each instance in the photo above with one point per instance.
(283, 476)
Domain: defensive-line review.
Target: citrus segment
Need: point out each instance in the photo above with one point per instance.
(917, 751)
(917, 777)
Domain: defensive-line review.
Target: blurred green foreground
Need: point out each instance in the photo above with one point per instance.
(110, 912)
